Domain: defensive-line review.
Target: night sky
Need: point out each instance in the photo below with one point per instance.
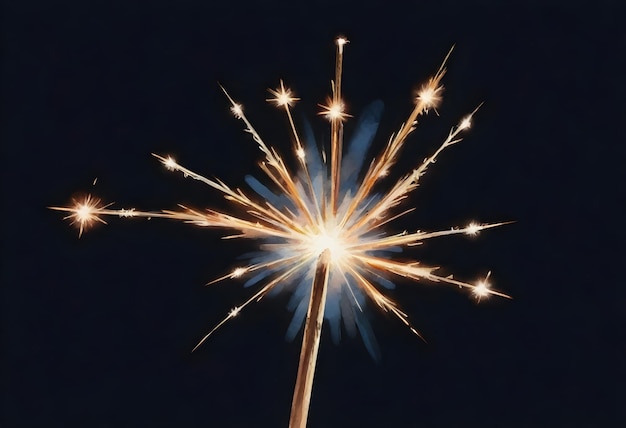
(98, 331)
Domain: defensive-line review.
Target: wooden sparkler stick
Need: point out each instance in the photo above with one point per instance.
(310, 343)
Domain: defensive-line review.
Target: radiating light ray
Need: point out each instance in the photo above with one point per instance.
(321, 235)
(256, 297)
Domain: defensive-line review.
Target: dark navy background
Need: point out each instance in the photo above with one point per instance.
(97, 331)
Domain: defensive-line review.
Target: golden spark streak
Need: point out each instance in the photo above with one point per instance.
(316, 232)
(336, 125)
(283, 97)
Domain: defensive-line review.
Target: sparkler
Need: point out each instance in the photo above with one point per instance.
(323, 232)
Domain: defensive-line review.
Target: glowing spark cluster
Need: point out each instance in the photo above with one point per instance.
(329, 204)
(86, 212)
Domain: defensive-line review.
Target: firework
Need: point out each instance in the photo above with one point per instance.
(322, 230)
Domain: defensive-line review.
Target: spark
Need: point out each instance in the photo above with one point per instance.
(323, 221)
(334, 111)
(282, 96)
(430, 96)
(238, 272)
(170, 163)
(237, 110)
(472, 229)
(481, 290)
(84, 213)
(466, 123)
